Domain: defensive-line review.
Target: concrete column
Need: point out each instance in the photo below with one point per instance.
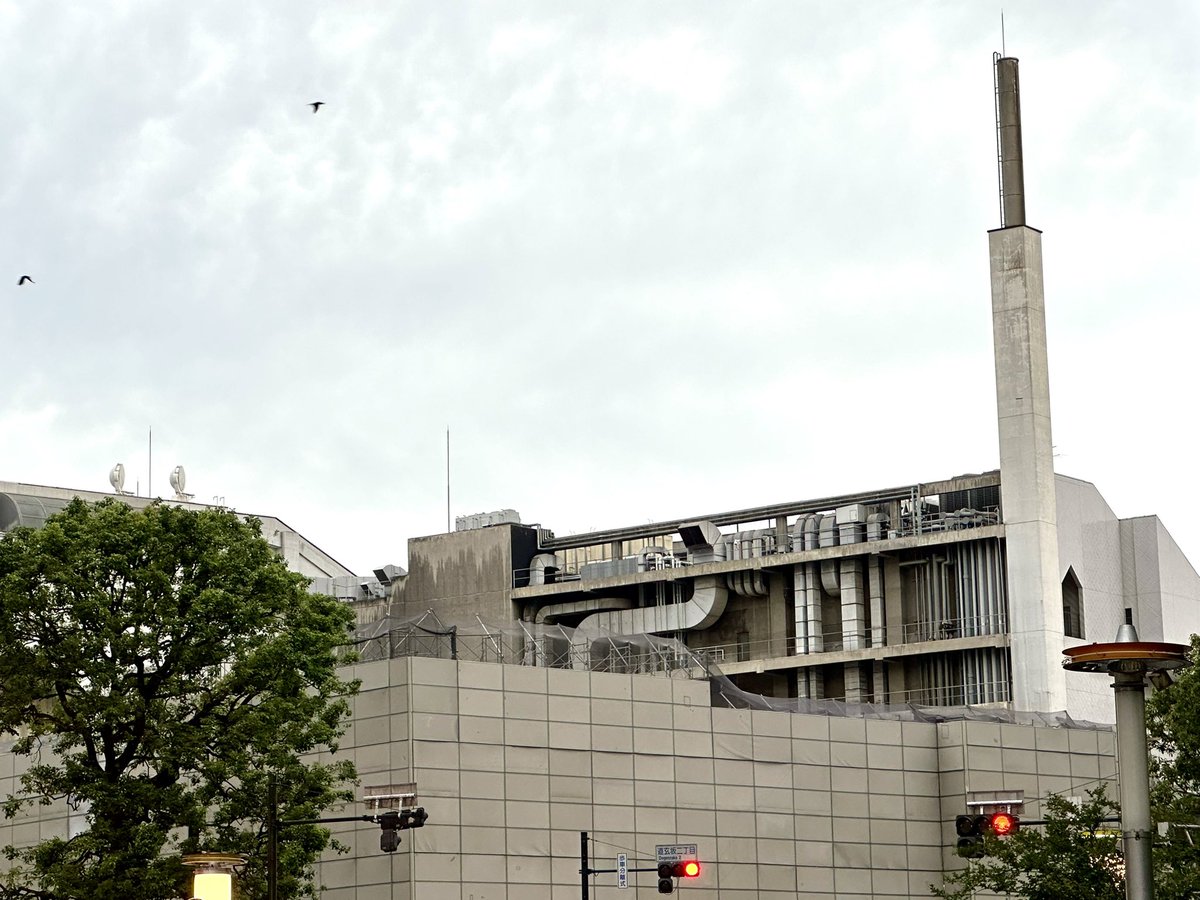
(878, 607)
(800, 605)
(893, 597)
(810, 684)
(812, 604)
(1027, 468)
(854, 683)
(897, 683)
(881, 685)
(854, 609)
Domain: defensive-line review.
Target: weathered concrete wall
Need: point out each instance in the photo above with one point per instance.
(462, 574)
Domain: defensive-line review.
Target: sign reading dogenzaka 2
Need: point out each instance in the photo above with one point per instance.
(676, 852)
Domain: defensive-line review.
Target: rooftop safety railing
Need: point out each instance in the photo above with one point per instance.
(947, 629)
(967, 694)
(561, 647)
(740, 545)
(525, 644)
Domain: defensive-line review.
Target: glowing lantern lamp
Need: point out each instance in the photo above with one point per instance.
(213, 875)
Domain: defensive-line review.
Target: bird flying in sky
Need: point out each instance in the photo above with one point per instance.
(317, 104)
(23, 279)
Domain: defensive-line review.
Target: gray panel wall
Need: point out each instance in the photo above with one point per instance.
(513, 762)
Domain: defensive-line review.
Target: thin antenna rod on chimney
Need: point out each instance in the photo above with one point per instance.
(1003, 52)
(447, 481)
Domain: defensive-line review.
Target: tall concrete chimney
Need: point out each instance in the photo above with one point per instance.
(1023, 415)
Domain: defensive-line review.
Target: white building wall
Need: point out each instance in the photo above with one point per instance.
(1180, 589)
(1090, 543)
(1120, 563)
(1166, 587)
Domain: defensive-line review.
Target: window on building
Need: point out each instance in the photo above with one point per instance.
(1072, 600)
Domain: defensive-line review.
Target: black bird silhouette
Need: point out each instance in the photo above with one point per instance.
(317, 105)
(23, 279)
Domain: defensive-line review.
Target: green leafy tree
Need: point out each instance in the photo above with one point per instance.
(1076, 854)
(1173, 722)
(158, 667)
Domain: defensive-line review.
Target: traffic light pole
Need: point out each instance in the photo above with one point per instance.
(586, 871)
(272, 841)
(274, 823)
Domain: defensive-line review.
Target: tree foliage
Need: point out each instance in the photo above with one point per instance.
(1173, 723)
(157, 668)
(1076, 854)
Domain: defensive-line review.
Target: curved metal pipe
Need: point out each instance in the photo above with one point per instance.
(551, 612)
(542, 565)
(705, 608)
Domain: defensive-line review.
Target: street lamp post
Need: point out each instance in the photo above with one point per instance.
(1129, 661)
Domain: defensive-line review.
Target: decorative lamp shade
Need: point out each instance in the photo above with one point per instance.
(213, 875)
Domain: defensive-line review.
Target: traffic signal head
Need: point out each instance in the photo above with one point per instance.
(665, 871)
(687, 868)
(970, 834)
(1002, 823)
(418, 817)
(389, 831)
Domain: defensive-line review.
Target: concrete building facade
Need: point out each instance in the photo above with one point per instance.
(964, 590)
(513, 762)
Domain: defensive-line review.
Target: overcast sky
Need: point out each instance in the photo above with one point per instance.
(644, 260)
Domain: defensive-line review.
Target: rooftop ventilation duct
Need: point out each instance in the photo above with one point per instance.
(706, 606)
(552, 612)
(702, 540)
(543, 568)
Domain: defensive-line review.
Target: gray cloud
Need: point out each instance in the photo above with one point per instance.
(642, 260)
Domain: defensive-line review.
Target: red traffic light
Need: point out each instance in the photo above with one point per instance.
(687, 868)
(1003, 823)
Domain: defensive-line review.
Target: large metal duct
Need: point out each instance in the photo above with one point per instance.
(706, 606)
(703, 541)
(828, 531)
(552, 612)
(543, 565)
(831, 577)
(748, 584)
